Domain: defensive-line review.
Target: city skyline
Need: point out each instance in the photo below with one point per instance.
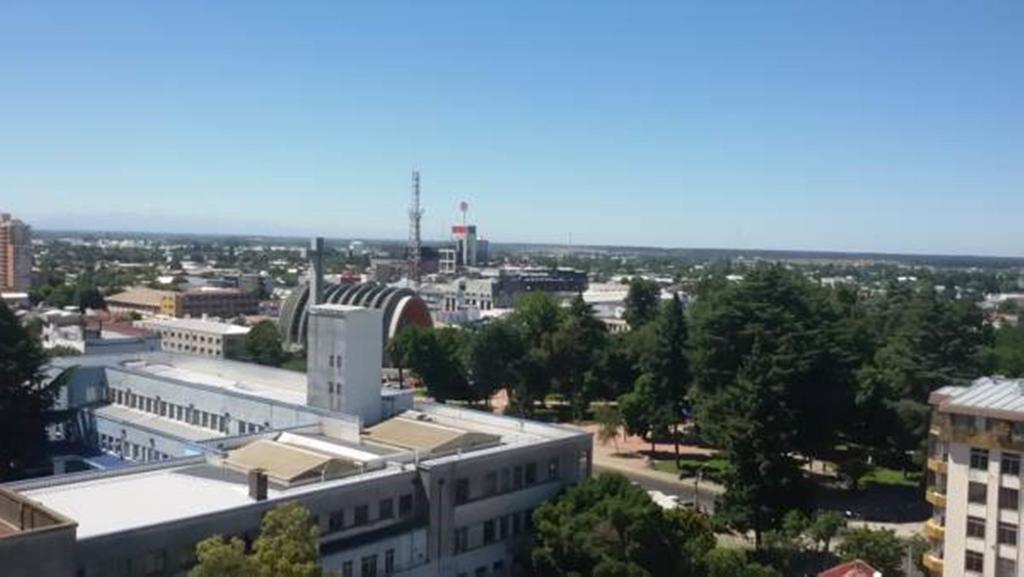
(862, 127)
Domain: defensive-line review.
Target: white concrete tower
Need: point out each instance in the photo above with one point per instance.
(344, 360)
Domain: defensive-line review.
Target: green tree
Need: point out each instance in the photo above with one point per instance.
(671, 364)
(538, 317)
(644, 410)
(494, 355)
(608, 526)
(576, 346)
(1008, 351)
(825, 527)
(609, 421)
(89, 297)
(220, 558)
(881, 549)
(24, 398)
(641, 302)
(436, 357)
(263, 344)
(726, 562)
(288, 545)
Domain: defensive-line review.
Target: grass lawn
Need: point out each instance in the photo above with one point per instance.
(714, 467)
(891, 477)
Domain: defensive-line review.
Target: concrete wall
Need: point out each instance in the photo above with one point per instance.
(345, 359)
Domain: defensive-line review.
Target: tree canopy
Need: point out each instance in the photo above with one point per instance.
(263, 344)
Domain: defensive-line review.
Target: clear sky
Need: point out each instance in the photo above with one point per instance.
(839, 125)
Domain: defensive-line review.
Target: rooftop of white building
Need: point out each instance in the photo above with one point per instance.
(196, 325)
(988, 396)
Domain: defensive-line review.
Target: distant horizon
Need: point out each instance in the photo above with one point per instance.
(503, 243)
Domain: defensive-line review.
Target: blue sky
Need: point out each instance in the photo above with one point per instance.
(854, 125)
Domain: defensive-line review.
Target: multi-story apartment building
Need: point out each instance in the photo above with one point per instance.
(396, 486)
(15, 255)
(974, 480)
(198, 337)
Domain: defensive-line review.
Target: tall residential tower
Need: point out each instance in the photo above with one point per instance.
(15, 255)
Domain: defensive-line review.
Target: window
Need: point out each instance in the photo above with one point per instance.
(498, 569)
(516, 524)
(531, 473)
(389, 561)
(362, 515)
(1010, 464)
(517, 480)
(461, 540)
(506, 480)
(488, 532)
(336, 521)
(553, 469)
(979, 459)
(974, 561)
(503, 527)
(977, 493)
(1008, 498)
(346, 569)
(461, 491)
(404, 505)
(1007, 534)
(976, 527)
(387, 508)
(491, 483)
(368, 566)
(1006, 567)
(330, 362)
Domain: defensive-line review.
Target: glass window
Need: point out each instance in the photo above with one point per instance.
(1008, 498)
(489, 532)
(362, 515)
(461, 491)
(491, 483)
(1010, 464)
(979, 459)
(387, 508)
(480, 572)
(974, 561)
(976, 527)
(369, 566)
(461, 540)
(553, 469)
(404, 505)
(346, 569)
(977, 493)
(517, 477)
(531, 473)
(1006, 567)
(336, 521)
(389, 561)
(1007, 534)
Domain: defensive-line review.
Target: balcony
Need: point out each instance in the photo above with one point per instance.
(937, 465)
(935, 498)
(934, 531)
(1000, 436)
(932, 563)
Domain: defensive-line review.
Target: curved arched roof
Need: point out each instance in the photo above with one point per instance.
(401, 307)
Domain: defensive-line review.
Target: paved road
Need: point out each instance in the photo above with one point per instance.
(678, 488)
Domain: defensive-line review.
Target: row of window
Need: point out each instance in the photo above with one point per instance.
(1006, 533)
(978, 493)
(975, 563)
(494, 530)
(973, 424)
(497, 570)
(189, 415)
(132, 451)
(183, 348)
(337, 520)
(190, 337)
(368, 566)
(1009, 465)
(511, 479)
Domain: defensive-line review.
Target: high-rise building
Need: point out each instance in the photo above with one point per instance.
(15, 255)
(974, 479)
(464, 236)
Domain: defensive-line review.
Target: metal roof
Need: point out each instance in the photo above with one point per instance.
(428, 437)
(984, 396)
(288, 464)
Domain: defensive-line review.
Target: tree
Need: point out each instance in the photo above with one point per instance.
(607, 526)
(435, 355)
(825, 527)
(576, 346)
(494, 355)
(288, 545)
(220, 558)
(1008, 351)
(641, 302)
(263, 344)
(725, 562)
(24, 398)
(609, 422)
(881, 549)
(538, 317)
(644, 410)
(670, 364)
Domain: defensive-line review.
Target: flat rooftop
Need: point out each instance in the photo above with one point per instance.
(196, 325)
(160, 424)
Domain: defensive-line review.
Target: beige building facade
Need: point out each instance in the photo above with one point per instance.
(15, 255)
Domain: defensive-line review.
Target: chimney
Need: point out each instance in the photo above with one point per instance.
(316, 270)
(258, 485)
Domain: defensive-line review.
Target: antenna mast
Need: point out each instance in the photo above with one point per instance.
(415, 241)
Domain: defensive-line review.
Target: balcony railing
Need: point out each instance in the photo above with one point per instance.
(935, 498)
(932, 563)
(937, 465)
(934, 531)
